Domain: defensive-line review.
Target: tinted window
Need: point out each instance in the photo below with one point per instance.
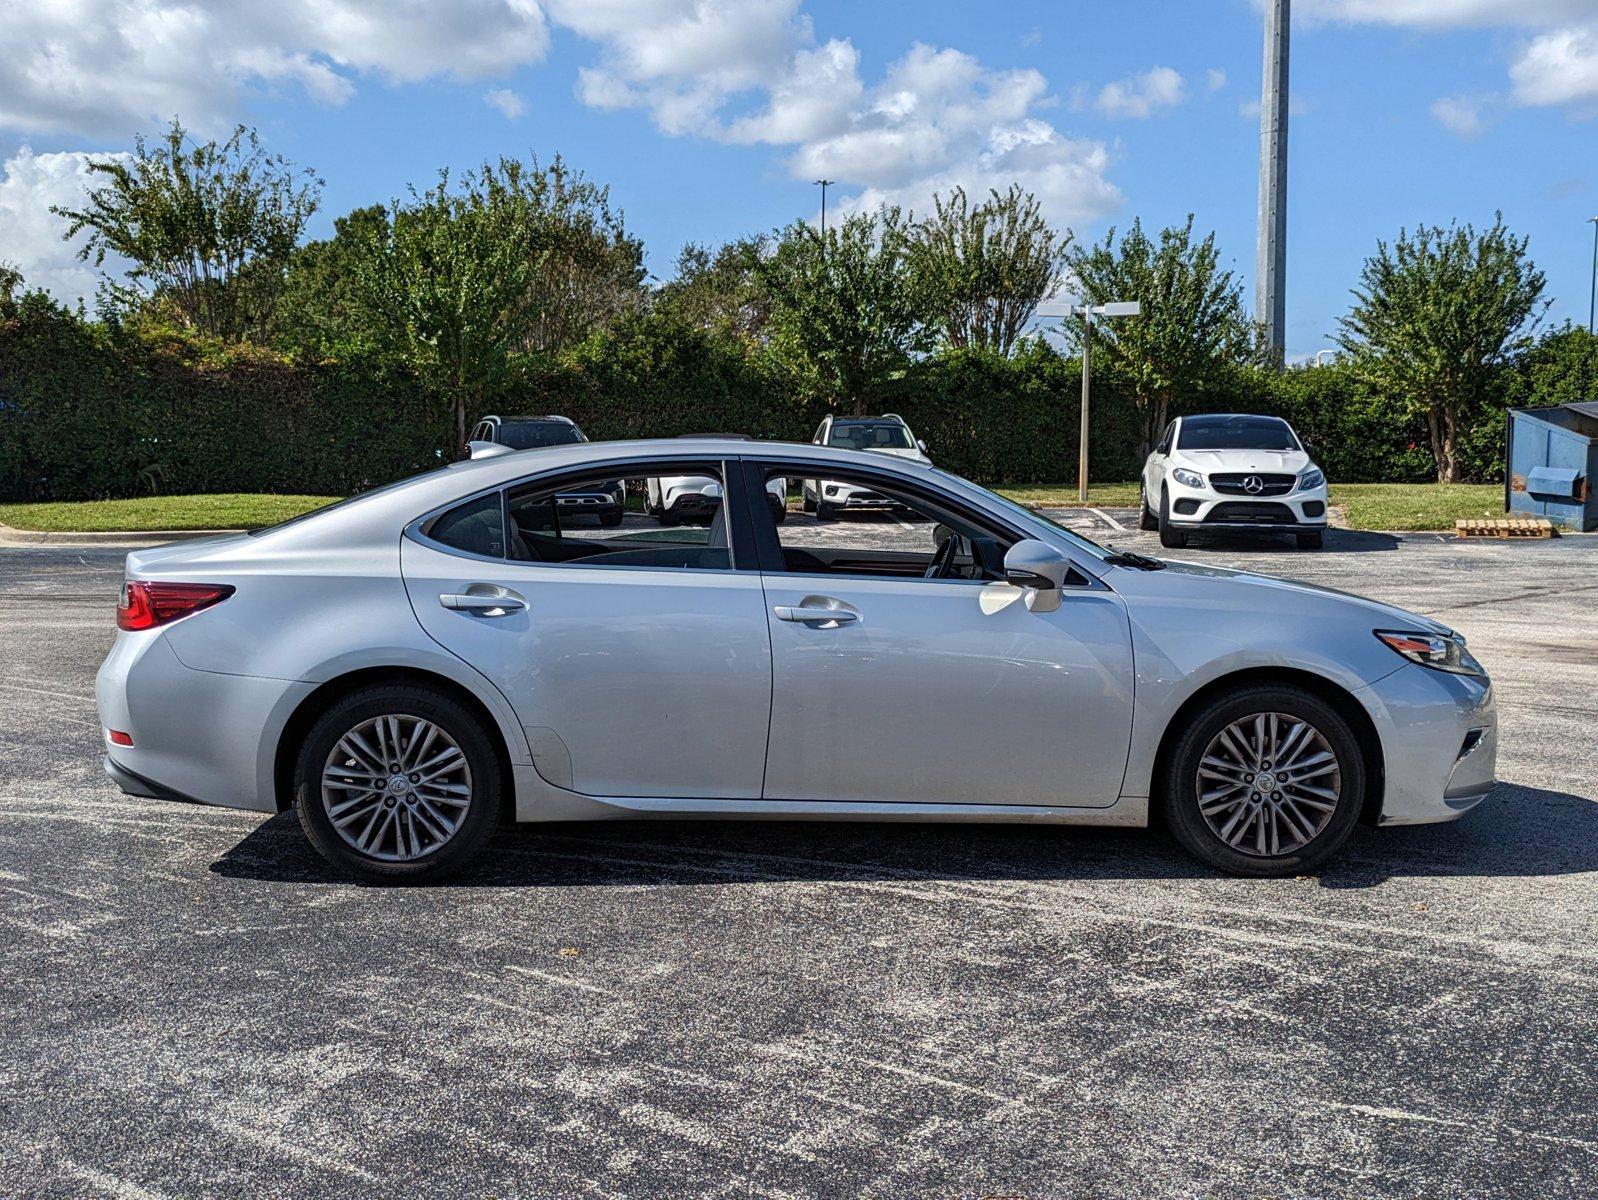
(525, 435)
(869, 435)
(477, 527)
(1236, 433)
(674, 520)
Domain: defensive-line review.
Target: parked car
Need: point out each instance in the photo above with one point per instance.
(1230, 471)
(409, 666)
(885, 434)
(606, 501)
(678, 499)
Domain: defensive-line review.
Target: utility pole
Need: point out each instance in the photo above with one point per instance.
(824, 184)
(1592, 288)
(1270, 264)
(1120, 308)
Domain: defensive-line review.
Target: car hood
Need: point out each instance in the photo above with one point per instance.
(1268, 593)
(1286, 462)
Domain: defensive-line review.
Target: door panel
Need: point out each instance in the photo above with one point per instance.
(656, 682)
(946, 692)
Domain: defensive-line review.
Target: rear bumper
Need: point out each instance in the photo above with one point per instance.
(137, 785)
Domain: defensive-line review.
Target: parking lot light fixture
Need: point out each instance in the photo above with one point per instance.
(1115, 308)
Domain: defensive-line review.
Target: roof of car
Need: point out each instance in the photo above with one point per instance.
(524, 417)
(1218, 418)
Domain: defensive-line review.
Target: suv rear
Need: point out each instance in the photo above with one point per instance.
(500, 435)
(885, 434)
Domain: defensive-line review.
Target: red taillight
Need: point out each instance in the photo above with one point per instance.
(118, 738)
(145, 604)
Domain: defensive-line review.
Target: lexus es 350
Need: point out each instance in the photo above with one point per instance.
(411, 667)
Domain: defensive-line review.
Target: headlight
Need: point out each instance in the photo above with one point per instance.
(1311, 479)
(1187, 478)
(1438, 651)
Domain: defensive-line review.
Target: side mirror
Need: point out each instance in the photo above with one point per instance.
(1034, 564)
(921, 446)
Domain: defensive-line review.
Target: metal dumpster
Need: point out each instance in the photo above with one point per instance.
(1550, 458)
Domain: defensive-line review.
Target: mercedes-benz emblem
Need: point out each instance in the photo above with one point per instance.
(1253, 485)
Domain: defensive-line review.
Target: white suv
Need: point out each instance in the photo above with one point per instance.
(1229, 471)
(887, 434)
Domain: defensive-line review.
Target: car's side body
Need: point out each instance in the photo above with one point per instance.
(995, 712)
(1272, 486)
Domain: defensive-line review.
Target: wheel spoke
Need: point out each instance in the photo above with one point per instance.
(396, 815)
(1254, 784)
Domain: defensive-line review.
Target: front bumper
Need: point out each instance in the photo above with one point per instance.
(1206, 508)
(1439, 735)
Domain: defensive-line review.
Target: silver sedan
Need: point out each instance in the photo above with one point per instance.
(413, 666)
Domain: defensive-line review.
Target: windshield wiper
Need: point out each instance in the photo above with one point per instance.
(1131, 558)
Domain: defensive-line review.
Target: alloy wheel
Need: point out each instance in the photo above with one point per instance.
(396, 787)
(1268, 784)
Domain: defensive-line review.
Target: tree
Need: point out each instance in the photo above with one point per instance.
(983, 271)
(325, 310)
(1435, 316)
(208, 229)
(842, 305)
(721, 292)
(1191, 326)
(453, 280)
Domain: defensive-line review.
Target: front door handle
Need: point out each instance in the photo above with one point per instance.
(484, 600)
(815, 614)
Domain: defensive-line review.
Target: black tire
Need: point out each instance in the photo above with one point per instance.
(1171, 539)
(1180, 784)
(825, 511)
(452, 718)
(779, 512)
(610, 520)
(665, 516)
(1311, 541)
(810, 504)
(1146, 520)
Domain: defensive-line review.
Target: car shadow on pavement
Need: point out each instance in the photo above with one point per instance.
(1337, 541)
(1517, 831)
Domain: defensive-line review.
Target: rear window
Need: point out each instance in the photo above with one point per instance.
(1235, 433)
(869, 435)
(527, 435)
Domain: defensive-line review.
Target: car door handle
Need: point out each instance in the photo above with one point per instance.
(815, 614)
(498, 603)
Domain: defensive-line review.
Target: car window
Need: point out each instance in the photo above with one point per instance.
(476, 527)
(1236, 433)
(527, 435)
(869, 435)
(670, 519)
(871, 527)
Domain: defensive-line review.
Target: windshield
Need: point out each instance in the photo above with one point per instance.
(1236, 433)
(526, 435)
(869, 435)
(1087, 544)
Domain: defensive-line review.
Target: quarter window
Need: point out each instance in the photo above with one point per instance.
(476, 527)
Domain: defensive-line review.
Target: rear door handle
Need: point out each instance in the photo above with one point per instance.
(815, 614)
(485, 600)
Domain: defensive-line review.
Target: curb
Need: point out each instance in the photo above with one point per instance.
(10, 537)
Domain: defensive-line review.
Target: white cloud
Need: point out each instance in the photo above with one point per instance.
(30, 235)
(1214, 79)
(507, 101)
(1141, 96)
(107, 67)
(1460, 115)
(1559, 68)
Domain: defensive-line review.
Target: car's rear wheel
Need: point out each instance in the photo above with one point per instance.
(1145, 518)
(611, 519)
(825, 511)
(1171, 539)
(1265, 781)
(398, 783)
(1310, 541)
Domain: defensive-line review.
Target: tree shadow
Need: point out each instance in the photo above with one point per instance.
(1516, 832)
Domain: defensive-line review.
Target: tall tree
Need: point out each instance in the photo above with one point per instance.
(842, 304)
(208, 228)
(984, 269)
(721, 291)
(1192, 322)
(1434, 317)
(325, 310)
(453, 278)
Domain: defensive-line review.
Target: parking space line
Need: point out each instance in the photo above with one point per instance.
(1109, 520)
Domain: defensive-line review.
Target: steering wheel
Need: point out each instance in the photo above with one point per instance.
(943, 561)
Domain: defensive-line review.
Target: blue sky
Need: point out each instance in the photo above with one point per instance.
(709, 117)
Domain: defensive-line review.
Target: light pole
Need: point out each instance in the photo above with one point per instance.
(1270, 262)
(824, 184)
(1119, 308)
(1592, 288)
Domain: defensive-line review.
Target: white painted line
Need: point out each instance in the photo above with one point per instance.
(1109, 520)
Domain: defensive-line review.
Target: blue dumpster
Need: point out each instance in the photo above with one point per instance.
(1550, 459)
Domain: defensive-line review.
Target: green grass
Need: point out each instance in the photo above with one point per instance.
(228, 510)
(1394, 506)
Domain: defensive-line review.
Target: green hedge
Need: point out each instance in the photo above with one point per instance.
(88, 412)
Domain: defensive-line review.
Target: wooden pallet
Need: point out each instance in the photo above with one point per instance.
(1525, 527)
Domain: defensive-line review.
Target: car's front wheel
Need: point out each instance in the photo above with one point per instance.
(1145, 517)
(1170, 537)
(1265, 780)
(398, 783)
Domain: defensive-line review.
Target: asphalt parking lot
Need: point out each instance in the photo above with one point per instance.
(194, 1006)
